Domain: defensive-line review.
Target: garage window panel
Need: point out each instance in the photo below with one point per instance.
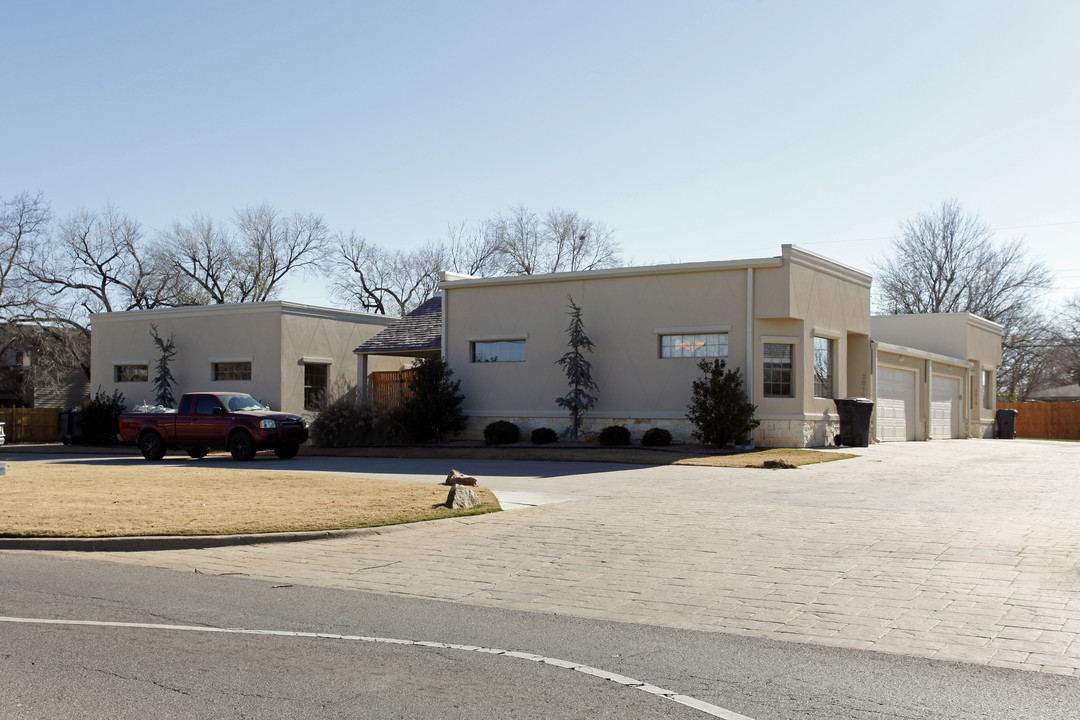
(230, 371)
(700, 345)
(131, 373)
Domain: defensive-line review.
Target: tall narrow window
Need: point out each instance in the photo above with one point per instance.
(988, 389)
(315, 382)
(777, 370)
(823, 367)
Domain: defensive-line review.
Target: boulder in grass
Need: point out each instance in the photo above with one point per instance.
(457, 477)
(462, 497)
(780, 464)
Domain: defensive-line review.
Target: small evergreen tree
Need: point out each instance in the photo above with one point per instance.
(432, 409)
(719, 409)
(163, 377)
(578, 371)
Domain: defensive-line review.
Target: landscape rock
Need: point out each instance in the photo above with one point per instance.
(779, 465)
(462, 497)
(457, 477)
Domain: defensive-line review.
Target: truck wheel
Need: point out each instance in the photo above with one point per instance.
(197, 452)
(242, 446)
(287, 451)
(152, 446)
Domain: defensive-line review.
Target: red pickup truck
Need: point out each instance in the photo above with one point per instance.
(221, 420)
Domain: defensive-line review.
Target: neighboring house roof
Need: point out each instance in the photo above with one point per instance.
(417, 334)
(1064, 392)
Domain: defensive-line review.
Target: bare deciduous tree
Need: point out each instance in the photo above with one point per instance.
(249, 262)
(23, 220)
(560, 241)
(945, 261)
(388, 282)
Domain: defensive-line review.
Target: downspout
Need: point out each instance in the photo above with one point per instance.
(872, 389)
(749, 367)
(928, 402)
(442, 342)
(362, 380)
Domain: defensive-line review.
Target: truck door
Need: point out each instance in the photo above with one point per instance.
(201, 422)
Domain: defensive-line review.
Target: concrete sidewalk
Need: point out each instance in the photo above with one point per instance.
(956, 550)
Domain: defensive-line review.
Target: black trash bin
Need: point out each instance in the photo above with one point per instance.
(854, 421)
(67, 427)
(1006, 423)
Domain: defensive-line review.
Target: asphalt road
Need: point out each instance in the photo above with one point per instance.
(170, 666)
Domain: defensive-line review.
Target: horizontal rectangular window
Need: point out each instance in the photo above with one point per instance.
(498, 351)
(225, 371)
(778, 370)
(131, 373)
(703, 345)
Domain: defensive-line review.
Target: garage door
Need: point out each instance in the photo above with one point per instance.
(944, 407)
(895, 405)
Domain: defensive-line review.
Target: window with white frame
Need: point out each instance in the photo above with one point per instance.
(988, 389)
(230, 371)
(489, 351)
(777, 370)
(131, 373)
(824, 366)
(697, 345)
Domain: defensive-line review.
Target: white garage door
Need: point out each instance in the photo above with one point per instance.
(895, 405)
(944, 407)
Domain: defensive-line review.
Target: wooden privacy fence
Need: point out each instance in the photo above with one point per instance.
(389, 388)
(1047, 420)
(30, 425)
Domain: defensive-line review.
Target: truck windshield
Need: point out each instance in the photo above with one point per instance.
(240, 403)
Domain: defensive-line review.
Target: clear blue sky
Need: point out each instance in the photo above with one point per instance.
(696, 130)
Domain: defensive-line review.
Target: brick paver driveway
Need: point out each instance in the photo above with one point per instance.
(957, 550)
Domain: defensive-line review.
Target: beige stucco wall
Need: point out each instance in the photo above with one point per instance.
(625, 312)
(274, 336)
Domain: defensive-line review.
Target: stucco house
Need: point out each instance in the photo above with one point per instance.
(281, 353)
(797, 325)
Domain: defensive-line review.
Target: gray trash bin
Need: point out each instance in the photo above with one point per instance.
(854, 421)
(1006, 423)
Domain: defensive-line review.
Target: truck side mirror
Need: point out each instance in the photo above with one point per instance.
(218, 411)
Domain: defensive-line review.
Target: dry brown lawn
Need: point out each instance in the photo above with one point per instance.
(78, 500)
(591, 452)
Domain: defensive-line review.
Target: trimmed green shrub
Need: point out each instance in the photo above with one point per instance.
(719, 409)
(543, 436)
(614, 435)
(432, 409)
(99, 419)
(344, 422)
(501, 432)
(656, 437)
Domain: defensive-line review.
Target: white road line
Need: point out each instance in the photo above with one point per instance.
(704, 707)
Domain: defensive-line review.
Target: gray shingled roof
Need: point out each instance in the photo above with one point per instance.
(418, 333)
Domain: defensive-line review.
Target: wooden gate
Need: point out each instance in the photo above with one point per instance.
(1047, 420)
(390, 388)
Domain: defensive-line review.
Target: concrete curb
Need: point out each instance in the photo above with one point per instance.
(145, 543)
